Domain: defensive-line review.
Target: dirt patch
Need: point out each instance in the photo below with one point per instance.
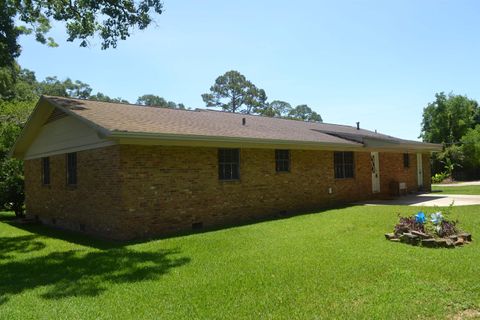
(467, 314)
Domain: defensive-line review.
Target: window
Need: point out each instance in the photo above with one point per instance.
(282, 160)
(228, 164)
(46, 171)
(406, 160)
(343, 165)
(71, 168)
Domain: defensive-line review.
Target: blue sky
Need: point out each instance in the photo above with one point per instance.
(377, 62)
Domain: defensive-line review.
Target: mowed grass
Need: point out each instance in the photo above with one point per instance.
(331, 264)
(471, 190)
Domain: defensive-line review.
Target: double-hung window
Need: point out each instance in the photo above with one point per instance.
(46, 171)
(72, 168)
(229, 164)
(282, 160)
(343, 165)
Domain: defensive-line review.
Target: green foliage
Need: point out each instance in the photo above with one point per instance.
(152, 100)
(448, 118)
(111, 20)
(305, 113)
(439, 177)
(471, 147)
(451, 157)
(12, 194)
(276, 108)
(102, 97)
(9, 47)
(234, 93)
(66, 88)
(13, 116)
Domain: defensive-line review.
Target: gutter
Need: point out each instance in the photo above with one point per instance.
(124, 137)
(150, 138)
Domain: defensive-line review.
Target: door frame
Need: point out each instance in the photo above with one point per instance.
(419, 171)
(375, 163)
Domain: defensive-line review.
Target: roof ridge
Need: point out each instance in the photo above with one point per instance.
(257, 115)
(115, 102)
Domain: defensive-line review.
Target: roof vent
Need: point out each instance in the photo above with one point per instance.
(244, 121)
(358, 125)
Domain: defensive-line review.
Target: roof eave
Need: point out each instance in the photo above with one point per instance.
(400, 144)
(146, 138)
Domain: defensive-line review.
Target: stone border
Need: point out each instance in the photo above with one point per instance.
(417, 238)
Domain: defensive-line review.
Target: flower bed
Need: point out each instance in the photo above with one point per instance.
(437, 231)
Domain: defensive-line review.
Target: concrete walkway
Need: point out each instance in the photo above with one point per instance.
(458, 184)
(427, 200)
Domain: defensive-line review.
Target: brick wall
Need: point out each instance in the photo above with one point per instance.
(91, 207)
(131, 191)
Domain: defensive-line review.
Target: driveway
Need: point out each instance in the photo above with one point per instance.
(427, 200)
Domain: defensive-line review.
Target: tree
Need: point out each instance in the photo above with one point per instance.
(448, 118)
(471, 147)
(110, 20)
(305, 113)
(276, 108)
(9, 47)
(12, 194)
(152, 100)
(256, 100)
(102, 97)
(234, 93)
(66, 88)
(13, 116)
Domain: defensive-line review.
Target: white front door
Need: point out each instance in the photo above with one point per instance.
(375, 172)
(419, 171)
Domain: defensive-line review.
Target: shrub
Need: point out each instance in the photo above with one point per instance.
(439, 177)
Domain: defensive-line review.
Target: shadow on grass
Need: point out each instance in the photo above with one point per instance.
(11, 246)
(80, 273)
(43, 231)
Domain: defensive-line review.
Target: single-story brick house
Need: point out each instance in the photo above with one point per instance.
(123, 171)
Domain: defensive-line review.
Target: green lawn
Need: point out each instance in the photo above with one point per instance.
(457, 190)
(332, 264)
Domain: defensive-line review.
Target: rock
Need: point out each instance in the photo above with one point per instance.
(450, 243)
(411, 238)
(395, 240)
(420, 234)
(465, 236)
(430, 243)
(459, 242)
(389, 236)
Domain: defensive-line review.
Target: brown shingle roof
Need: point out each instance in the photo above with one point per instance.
(127, 118)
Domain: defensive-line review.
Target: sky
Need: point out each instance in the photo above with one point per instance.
(376, 62)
